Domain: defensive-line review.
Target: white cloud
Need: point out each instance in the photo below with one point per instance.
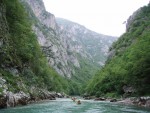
(102, 16)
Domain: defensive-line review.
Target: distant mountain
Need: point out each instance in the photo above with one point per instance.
(95, 45)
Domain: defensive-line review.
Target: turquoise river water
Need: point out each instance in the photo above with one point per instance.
(68, 106)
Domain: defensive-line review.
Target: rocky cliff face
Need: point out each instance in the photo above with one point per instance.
(86, 42)
(45, 29)
(131, 19)
(43, 16)
(63, 41)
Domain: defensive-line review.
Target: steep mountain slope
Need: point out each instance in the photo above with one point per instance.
(52, 43)
(127, 70)
(23, 67)
(65, 49)
(83, 40)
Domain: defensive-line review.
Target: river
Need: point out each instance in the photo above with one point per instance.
(68, 106)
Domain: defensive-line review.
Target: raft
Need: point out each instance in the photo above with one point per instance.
(78, 102)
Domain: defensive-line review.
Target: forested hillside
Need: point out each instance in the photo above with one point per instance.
(127, 71)
(23, 66)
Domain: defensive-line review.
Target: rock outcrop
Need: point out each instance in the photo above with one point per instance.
(131, 19)
(46, 18)
(3, 102)
(10, 99)
(138, 101)
(128, 90)
(16, 99)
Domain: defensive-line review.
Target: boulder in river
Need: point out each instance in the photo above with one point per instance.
(59, 95)
(100, 99)
(113, 100)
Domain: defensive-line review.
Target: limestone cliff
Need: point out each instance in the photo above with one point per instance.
(86, 42)
(44, 17)
(67, 46)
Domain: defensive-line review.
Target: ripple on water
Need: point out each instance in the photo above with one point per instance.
(134, 110)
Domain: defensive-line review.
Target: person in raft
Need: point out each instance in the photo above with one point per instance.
(78, 102)
(73, 98)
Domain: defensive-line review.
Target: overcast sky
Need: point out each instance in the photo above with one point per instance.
(103, 16)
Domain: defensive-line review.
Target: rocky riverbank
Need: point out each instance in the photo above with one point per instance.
(138, 101)
(10, 99)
